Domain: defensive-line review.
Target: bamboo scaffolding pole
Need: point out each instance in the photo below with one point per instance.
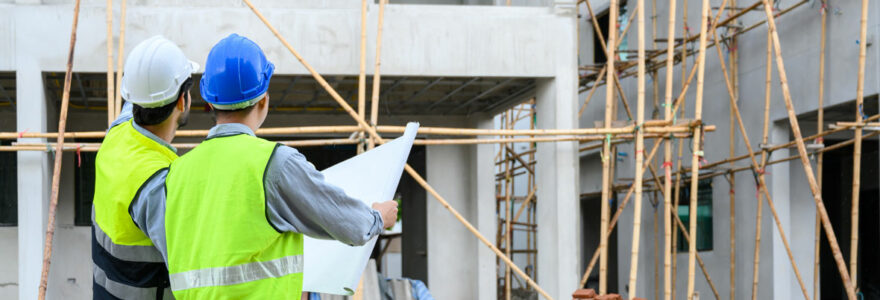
(606, 151)
(508, 182)
(733, 55)
(92, 147)
(56, 173)
(640, 148)
(764, 156)
(760, 171)
(655, 112)
(530, 140)
(502, 158)
(667, 156)
(697, 152)
(653, 126)
(854, 124)
(676, 197)
(857, 152)
(656, 251)
(362, 74)
(412, 172)
(377, 75)
(110, 87)
(651, 129)
(532, 257)
(808, 169)
(117, 104)
(820, 157)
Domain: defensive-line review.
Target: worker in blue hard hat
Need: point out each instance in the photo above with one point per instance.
(230, 215)
(155, 86)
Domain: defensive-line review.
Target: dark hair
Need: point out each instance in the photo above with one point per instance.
(152, 116)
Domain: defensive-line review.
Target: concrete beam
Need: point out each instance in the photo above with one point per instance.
(452, 40)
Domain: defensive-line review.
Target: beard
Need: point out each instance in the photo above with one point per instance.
(184, 118)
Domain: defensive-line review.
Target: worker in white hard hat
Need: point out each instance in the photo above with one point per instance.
(155, 85)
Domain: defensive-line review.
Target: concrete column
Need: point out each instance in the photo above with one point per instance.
(33, 176)
(557, 167)
(452, 249)
(483, 205)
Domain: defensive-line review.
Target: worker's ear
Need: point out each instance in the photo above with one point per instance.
(182, 102)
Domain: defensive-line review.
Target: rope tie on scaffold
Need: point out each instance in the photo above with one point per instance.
(700, 158)
(756, 173)
(608, 142)
(862, 107)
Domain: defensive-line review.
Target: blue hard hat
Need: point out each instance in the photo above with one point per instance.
(236, 74)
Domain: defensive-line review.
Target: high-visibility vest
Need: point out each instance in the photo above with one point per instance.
(220, 241)
(126, 263)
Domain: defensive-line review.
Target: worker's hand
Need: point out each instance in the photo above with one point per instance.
(388, 210)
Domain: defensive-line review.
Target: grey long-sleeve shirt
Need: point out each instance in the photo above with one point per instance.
(297, 199)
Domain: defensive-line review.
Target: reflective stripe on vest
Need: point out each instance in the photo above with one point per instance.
(121, 290)
(220, 243)
(126, 252)
(237, 274)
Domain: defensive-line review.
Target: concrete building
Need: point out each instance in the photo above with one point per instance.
(445, 44)
(454, 64)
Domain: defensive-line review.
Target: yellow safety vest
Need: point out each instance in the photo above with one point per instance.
(126, 264)
(220, 241)
(125, 161)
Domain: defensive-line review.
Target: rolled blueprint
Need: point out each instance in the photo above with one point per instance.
(335, 268)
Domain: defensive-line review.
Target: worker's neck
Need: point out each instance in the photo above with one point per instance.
(248, 120)
(164, 130)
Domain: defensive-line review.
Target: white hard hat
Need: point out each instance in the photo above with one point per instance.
(154, 71)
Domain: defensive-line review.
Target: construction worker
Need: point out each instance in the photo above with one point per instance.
(155, 85)
(229, 216)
